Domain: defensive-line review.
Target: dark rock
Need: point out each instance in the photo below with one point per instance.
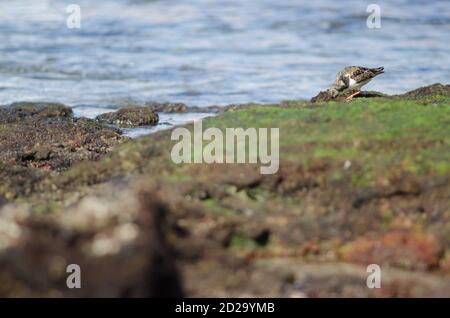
(183, 108)
(326, 96)
(431, 90)
(234, 232)
(369, 94)
(130, 117)
(323, 96)
(46, 137)
(17, 111)
(43, 153)
(412, 250)
(167, 107)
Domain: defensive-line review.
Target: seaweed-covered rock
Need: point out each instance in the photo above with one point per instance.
(130, 117)
(419, 93)
(168, 107)
(17, 112)
(326, 96)
(361, 183)
(36, 138)
(183, 108)
(431, 90)
(411, 250)
(323, 96)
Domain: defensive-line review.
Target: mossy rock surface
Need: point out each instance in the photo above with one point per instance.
(361, 182)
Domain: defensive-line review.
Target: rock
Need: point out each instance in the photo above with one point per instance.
(369, 94)
(167, 107)
(309, 230)
(118, 241)
(410, 250)
(36, 138)
(422, 92)
(130, 117)
(38, 153)
(180, 107)
(431, 90)
(325, 96)
(17, 111)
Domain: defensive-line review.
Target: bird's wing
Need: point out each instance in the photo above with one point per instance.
(362, 74)
(345, 80)
(341, 83)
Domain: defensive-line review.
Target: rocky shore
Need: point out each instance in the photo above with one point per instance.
(365, 182)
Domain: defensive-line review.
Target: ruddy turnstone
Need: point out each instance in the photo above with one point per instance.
(352, 78)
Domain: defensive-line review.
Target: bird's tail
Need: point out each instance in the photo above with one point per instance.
(378, 70)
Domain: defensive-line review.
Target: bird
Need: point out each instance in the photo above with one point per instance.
(352, 78)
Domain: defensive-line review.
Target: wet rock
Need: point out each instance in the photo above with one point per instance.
(38, 153)
(130, 117)
(369, 94)
(306, 279)
(167, 107)
(18, 111)
(183, 108)
(50, 110)
(45, 136)
(422, 92)
(308, 231)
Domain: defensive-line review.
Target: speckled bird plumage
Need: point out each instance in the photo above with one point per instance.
(353, 78)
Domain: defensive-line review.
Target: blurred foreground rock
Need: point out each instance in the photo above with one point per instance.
(117, 238)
